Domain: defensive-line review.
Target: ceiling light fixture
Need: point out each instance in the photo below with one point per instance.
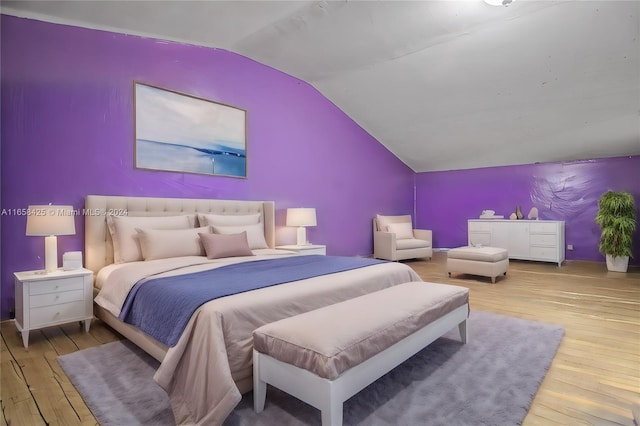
(499, 2)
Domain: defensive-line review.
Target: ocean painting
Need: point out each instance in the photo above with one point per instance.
(182, 133)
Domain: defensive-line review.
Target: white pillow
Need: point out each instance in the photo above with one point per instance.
(228, 219)
(384, 221)
(402, 230)
(255, 234)
(126, 246)
(165, 243)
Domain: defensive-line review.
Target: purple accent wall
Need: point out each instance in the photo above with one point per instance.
(560, 191)
(67, 131)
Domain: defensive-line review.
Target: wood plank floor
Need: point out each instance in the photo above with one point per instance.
(594, 378)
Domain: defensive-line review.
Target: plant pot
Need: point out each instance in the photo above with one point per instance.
(617, 264)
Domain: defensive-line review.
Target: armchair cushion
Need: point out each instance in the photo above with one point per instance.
(402, 230)
(411, 243)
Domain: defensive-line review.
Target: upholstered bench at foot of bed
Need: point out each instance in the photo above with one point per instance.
(325, 356)
(485, 261)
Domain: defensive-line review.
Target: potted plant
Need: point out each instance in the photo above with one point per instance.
(617, 219)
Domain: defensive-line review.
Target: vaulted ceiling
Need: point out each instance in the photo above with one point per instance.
(442, 84)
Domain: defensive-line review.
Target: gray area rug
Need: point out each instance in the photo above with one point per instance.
(490, 381)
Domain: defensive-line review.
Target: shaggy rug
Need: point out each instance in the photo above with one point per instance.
(490, 381)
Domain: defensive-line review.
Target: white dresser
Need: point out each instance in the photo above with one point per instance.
(541, 240)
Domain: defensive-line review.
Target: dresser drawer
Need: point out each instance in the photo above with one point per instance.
(479, 238)
(543, 228)
(56, 285)
(479, 226)
(543, 240)
(56, 298)
(543, 253)
(52, 314)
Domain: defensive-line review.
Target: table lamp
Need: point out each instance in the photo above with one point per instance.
(301, 217)
(50, 221)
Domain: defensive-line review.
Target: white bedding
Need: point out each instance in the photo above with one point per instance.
(123, 276)
(214, 352)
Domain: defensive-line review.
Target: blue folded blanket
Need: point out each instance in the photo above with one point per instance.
(162, 307)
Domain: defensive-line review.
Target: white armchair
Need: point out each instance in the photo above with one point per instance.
(395, 239)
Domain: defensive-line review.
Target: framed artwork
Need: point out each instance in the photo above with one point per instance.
(183, 133)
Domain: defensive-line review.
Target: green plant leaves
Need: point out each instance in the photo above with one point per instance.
(617, 219)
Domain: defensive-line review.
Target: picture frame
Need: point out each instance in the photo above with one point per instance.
(178, 132)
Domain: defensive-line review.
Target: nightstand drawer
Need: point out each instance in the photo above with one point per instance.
(56, 298)
(53, 286)
(543, 240)
(53, 314)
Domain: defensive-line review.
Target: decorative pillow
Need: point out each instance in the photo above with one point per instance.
(225, 245)
(384, 221)
(228, 220)
(165, 243)
(126, 247)
(403, 230)
(255, 234)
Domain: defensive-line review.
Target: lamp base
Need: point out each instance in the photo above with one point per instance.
(50, 253)
(302, 236)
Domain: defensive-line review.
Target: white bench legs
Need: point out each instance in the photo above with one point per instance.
(329, 395)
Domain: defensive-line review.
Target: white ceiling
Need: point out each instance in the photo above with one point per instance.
(442, 84)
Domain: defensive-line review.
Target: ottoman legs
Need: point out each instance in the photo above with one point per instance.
(476, 267)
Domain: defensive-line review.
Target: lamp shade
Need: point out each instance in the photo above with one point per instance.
(50, 220)
(301, 217)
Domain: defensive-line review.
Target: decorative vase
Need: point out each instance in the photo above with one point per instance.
(519, 214)
(617, 263)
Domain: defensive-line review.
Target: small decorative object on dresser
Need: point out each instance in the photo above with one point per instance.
(533, 214)
(57, 297)
(519, 214)
(308, 249)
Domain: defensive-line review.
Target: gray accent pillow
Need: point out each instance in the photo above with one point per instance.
(225, 245)
(255, 234)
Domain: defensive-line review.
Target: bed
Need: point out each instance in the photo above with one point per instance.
(209, 366)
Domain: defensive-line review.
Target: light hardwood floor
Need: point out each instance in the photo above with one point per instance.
(593, 380)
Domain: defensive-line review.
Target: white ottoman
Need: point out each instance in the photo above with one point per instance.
(484, 261)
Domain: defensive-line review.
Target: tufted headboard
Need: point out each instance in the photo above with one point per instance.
(99, 247)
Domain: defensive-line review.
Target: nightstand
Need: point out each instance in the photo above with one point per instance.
(308, 249)
(43, 300)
